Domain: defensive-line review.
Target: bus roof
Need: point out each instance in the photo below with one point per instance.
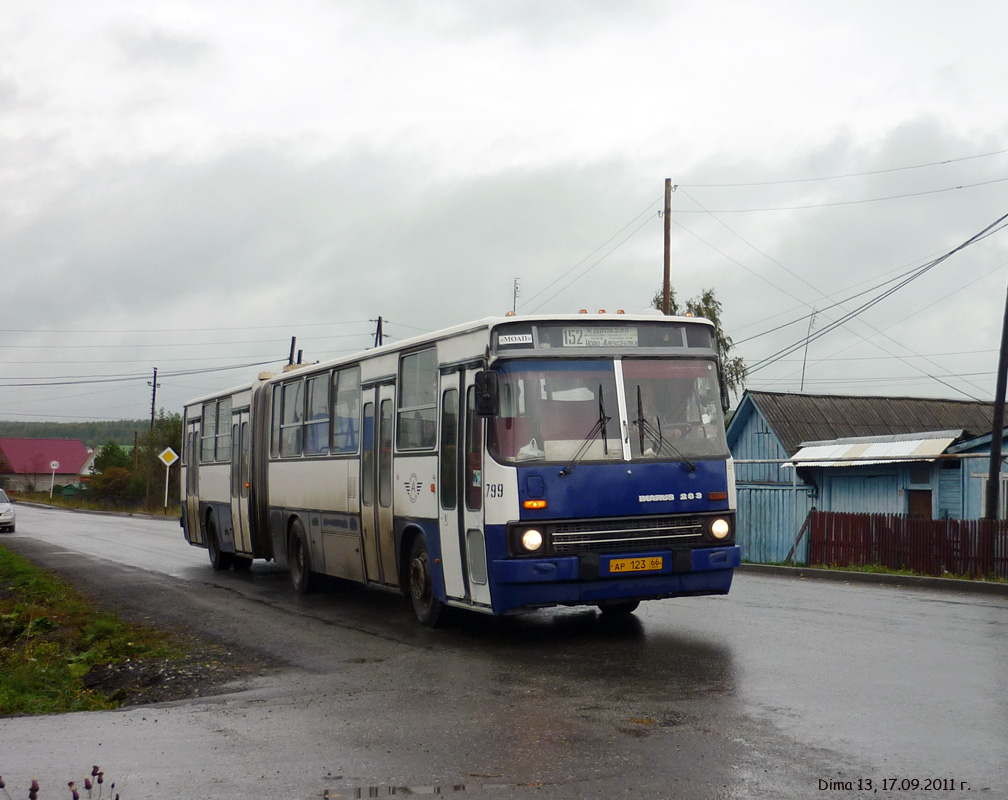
(487, 323)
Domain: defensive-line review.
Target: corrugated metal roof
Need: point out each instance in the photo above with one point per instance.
(857, 451)
(797, 418)
(33, 456)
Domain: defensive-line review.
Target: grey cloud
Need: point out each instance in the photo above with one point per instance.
(158, 47)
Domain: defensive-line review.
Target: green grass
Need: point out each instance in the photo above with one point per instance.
(879, 569)
(51, 636)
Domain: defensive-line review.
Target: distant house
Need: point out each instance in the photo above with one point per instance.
(894, 455)
(27, 463)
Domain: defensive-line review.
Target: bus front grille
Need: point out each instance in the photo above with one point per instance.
(626, 535)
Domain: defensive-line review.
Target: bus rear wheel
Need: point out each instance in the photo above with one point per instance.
(426, 606)
(219, 560)
(299, 558)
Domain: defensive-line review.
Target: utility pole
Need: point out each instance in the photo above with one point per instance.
(997, 427)
(153, 403)
(667, 283)
(811, 322)
(150, 445)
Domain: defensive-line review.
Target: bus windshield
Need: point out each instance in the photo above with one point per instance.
(556, 409)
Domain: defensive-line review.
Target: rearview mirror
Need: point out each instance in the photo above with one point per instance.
(487, 394)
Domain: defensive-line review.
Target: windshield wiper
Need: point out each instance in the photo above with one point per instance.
(598, 427)
(655, 434)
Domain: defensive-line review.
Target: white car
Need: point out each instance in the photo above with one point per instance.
(6, 513)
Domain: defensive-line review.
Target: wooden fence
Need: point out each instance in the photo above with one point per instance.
(977, 548)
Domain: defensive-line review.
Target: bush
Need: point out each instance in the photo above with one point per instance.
(114, 485)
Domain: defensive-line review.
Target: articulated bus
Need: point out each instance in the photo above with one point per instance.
(506, 464)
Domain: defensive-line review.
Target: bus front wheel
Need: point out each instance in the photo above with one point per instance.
(619, 608)
(426, 606)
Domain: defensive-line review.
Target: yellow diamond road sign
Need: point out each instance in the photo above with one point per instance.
(168, 456)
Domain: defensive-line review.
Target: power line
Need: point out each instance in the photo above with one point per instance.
(841, 177)
(994, 227)
(834, 304)
(185, 330)
(863, 201)
(96, 379)
(592, 253)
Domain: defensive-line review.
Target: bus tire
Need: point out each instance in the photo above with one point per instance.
(219, 560)
(299, 558)
(619, 608)
(426, 606)
(241, 563)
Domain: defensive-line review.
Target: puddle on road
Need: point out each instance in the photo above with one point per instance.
(404, 791)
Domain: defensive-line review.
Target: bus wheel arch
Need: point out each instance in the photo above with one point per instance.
(299, 556)
(417, 578)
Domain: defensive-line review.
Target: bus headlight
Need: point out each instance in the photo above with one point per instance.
(720, 528)
(532, 540)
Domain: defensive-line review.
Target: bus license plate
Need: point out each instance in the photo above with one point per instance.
(621, 565)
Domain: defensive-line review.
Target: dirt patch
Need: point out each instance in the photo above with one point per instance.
(207, 668)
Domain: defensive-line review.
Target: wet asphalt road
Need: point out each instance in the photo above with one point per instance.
(784, 688)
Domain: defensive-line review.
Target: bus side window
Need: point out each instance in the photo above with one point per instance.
(223, 429)
(385, 454)
(291, 428)
(449, 448)
(276, 421)
(474, 453)
(418, 374)
(367, 456)
(346, 410)
(317, 421)
(209, 427)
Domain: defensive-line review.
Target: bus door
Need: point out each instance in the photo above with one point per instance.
(449, 461)
(377, 526)
(460, 513)
(194, 530)
(471, 494)
(240, 481)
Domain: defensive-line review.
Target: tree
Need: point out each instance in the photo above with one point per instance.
(112, 475)
(111, 455)
(167, 433)
(707, 306)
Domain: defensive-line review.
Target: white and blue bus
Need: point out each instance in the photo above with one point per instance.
(507, 464)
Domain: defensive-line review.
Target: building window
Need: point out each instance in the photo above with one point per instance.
(920, 474)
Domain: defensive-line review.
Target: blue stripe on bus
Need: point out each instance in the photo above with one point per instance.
(621, 489)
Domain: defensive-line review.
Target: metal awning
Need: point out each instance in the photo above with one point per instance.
(864, 450)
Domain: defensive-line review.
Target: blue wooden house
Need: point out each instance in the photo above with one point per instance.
(893, 455)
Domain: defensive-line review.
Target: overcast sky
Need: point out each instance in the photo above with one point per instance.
(188, 185)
